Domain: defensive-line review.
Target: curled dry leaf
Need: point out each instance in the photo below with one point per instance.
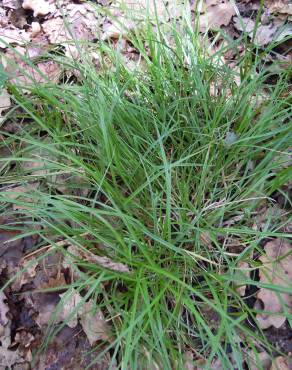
(103, 261)
(276, 270)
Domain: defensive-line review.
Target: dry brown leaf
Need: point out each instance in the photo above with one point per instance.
(12, 4)
(265, 32)
(5, 102)
(39, 7)
(8, 358)
(278, 273)
(18, 191)
(281, 363)
(11, 35)
(83, 22)
(4, 321)
(71, 301)
(244, 269)
(263, 359)
(93, 323)
(279, 6)
(126, 14)
(189, 363)
(216, 15)
(29, 272)
(103, 261)
(163, 9)
(24, 74)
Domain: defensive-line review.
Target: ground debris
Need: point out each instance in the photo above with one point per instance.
(276, 270)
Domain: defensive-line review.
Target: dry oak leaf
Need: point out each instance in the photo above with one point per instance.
(276, 270)
(24, 74)
(265, 32)
(281, 363)
(93, 323)
(83, 24)
(39, 7)
(216, 15)
(92, 320)
(279, 6)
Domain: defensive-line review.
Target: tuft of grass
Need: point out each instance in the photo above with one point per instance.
(155, 161)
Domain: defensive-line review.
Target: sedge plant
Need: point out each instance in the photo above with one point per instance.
(147, 166)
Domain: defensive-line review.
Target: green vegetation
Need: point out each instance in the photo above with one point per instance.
(157, 161)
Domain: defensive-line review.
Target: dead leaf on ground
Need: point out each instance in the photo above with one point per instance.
(279, 6)
(4, 322)
(265, 32)
(29, 272)
(5, 102)
(21, 72)
(278, 273)
(262, 359)
(11, 35)
(8, 358)
(91, 319)
(127, 14)
(281, 363)
(243, 272)
(93, 323)
(71, 301)
(216, 14)
(82, 23)
(21, 194)
(103, 261)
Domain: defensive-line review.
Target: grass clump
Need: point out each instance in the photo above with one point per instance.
(147, 167)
